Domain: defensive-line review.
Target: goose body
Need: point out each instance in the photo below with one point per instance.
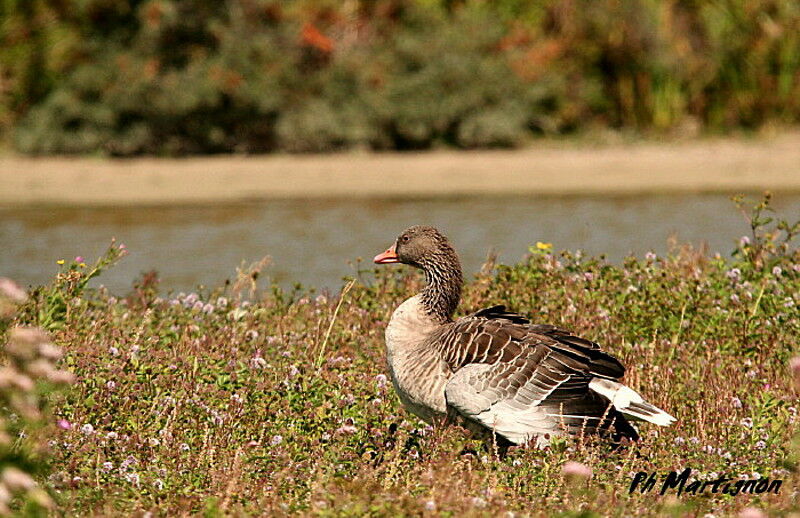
(494, 371)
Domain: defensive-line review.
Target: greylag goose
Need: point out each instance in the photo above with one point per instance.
(494, 371)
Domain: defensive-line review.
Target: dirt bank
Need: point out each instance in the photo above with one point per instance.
(724, 165)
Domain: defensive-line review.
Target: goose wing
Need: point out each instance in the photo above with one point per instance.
(524, 380)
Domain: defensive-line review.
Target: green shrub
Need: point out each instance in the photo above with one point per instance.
(128, 77)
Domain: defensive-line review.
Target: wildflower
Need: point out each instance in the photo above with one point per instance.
(694, 440)
(10, 290)
(16, 479)
(60, 262)
(744, 241)
(113, 350)
(679, 440)
(576, 470)
(776, 271)
(133, 478)
(736, 402)
(734, 274)
(348, 427)
(111, 385)
(158, 484)
(650, 256)
(251, 335)
(478, 502)
(184, 447)
(734, 298)
(760, 445)
(544, 246)
(589, 276)
(108, 466)
(87, 429)
(751, 512)
(794, 366)
(276, 440)
(111, 436)
(153, 442)
(197, 306)
(746, 422)
(321, 300)
(63, 424)
(222, 302)
(430, 505)
(258, 362)
(293, 371)
(208, 309)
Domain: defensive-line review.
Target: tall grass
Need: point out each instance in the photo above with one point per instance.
(218, 403)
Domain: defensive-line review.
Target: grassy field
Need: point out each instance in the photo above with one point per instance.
(268, 402)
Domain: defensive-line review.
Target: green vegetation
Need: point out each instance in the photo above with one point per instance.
(273, 402)
(127, 77)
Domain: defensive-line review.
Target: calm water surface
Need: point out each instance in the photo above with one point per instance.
(318, 242)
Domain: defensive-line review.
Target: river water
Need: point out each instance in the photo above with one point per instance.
(317, 243)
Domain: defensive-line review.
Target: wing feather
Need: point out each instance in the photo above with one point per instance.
(524, 380)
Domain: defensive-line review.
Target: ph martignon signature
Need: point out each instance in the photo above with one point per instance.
(645, 482)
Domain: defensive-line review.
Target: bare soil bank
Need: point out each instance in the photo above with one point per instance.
(720, 165)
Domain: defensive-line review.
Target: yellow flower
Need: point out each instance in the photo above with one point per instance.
(544, 246)
(60, 261)
(82, 265)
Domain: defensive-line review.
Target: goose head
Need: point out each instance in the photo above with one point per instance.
(418, 246)
(429, 250)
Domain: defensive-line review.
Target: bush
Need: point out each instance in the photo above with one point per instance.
(187, 76)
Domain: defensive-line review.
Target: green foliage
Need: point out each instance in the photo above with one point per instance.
(54, 302)
(218, 405)
(127, 77)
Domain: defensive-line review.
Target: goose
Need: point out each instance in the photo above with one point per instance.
(493, 371)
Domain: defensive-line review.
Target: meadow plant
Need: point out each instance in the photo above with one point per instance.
(27, 375)
(280, 404)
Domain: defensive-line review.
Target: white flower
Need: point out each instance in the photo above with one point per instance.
(111, 436)
(751, 512)
(736, 402)
(16, 479)
(746, 422)
(87, 429)
(258, 363)
(276, 440)
(381, 380)
(776, 271)
(574, 469)
(108, 466)
(184, 447)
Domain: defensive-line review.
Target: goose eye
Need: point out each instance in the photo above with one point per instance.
(404, 239)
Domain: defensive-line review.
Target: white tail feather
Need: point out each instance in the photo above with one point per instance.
(629, 402)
